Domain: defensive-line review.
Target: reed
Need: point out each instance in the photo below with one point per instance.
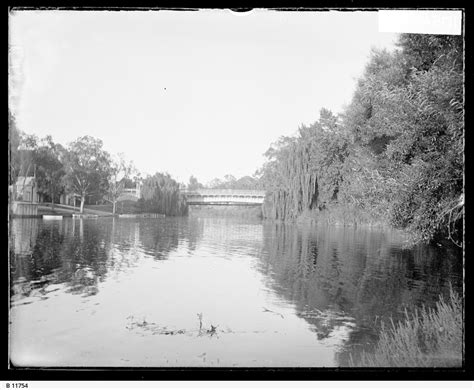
(426, 338)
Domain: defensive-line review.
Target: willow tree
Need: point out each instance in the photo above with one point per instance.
(304, 172)
(288, 179)
(160, 193)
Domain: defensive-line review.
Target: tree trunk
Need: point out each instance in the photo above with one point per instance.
(83, 199)
(52, 198)
(113, 206)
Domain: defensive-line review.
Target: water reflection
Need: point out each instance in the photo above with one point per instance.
(81, 252)
(355, 277)
(62, 252)
(233, 237)
(281, 294)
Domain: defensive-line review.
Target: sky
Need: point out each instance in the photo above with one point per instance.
(199, 93)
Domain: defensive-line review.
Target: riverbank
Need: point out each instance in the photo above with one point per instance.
(343, 216)
(124, 207)
(59, 210)
(340, 215)
(67, 211)
(354, 217)
(427, 338)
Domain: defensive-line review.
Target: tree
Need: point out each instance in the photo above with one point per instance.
(120, 173)
(194, 184)
(161, 194)
(406, 120)
(24, 158)
(215, 183)
(304, 172)
(49, 167)
(87, 168)
(229, 181)
(247, 183)
(26, 154)
(14, 139)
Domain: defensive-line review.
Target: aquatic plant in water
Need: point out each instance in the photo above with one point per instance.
(155, 328)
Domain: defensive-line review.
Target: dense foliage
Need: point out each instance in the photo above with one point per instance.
(396, 151)
(161, 194)
(304, 172)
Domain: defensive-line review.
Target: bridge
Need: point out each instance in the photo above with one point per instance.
(132, 194)
(207, 196)
(224, 197)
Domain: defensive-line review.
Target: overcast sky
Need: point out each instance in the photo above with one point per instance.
(189, 93)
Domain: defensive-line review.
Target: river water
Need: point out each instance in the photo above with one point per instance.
(212, 292)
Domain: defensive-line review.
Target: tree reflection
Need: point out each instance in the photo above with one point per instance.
(25, 264)
(160, 238)
(22, 238)
(194, 233)
(73, 252)
(84, 256)
(331, 272)
(80, 253)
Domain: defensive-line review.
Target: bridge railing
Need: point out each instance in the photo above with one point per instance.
(225, 192)
(126, 194)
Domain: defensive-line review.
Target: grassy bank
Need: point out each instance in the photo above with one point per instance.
(67, 211)
(427, 338)
(125, 207)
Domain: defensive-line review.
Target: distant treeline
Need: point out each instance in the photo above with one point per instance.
(396, 151)
(229, 182)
